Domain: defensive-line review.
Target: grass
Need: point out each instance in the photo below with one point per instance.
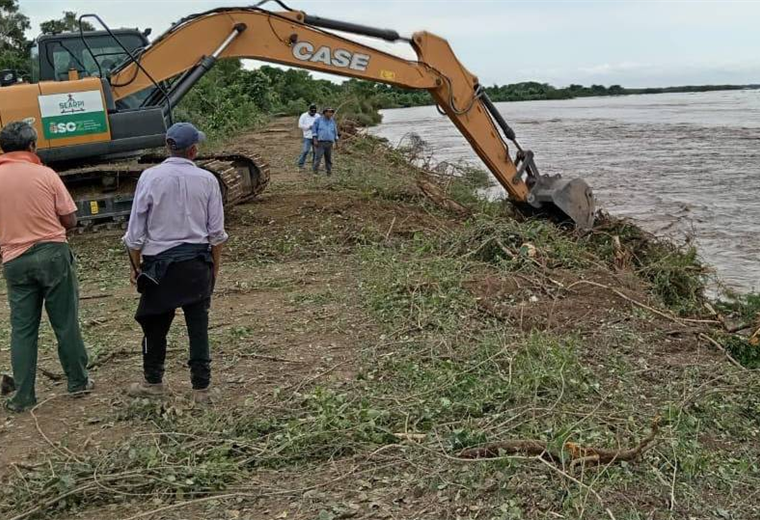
(745, 310)
(675, 272)
(744, 307)
(475, 339)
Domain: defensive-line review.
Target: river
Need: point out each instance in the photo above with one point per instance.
(681, 165)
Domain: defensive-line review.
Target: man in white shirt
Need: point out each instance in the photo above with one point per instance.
(305, 122)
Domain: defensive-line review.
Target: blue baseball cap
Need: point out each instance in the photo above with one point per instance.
(183, 135)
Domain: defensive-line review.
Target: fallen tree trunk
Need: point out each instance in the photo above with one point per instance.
(577, 454)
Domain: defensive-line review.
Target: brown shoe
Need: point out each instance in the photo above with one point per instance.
(202, 396)
(144, 389)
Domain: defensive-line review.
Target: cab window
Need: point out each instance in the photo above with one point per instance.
(34, 59)
(61, 55)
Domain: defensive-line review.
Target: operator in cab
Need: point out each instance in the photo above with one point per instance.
(38, 265)
(305, 122)
(325, 132)
(175, 238)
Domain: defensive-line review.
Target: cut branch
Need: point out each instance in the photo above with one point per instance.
(436, 194)
(720, 347)
(577, 454)
(511, 447)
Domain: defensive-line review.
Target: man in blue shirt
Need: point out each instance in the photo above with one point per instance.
(325, 136)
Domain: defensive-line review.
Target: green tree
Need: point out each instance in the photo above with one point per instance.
(222, 102)
(616, 90)
(68, 23)
(13, 43)
(259, 86)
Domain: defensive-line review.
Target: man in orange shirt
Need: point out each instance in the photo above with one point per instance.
(35, 211)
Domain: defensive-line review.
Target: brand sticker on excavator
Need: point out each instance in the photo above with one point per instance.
(94, 208)
(72, 114)
(341, 58)
(388, 75)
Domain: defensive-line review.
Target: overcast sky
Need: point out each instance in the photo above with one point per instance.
(632, 43)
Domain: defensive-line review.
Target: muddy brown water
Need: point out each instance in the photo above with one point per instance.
(681, 165)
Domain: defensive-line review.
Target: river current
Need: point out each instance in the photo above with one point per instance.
(681, 165)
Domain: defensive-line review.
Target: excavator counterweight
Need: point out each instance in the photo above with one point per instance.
(124, 100)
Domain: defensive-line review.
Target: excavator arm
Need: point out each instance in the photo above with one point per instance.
(192, 46)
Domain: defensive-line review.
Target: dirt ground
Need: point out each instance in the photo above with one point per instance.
(243, 299)
(279, 325)
(288, 316)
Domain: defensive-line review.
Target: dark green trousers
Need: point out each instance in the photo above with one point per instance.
(45, 274)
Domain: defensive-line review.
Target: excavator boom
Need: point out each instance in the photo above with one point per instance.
(103, 97)
(192, 46)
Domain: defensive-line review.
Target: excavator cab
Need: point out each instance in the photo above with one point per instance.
(94, 140)
(69, 99)
(93, 54)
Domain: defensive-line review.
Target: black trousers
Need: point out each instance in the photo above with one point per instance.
(156, 327)
(187, 285)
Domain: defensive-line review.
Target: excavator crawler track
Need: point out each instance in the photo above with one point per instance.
(104, 193)
(242, 177)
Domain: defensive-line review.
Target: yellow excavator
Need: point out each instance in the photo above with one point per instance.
(100, 98)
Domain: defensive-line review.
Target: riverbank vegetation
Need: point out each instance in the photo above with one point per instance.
(384, 354)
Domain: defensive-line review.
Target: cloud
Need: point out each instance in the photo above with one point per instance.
(615, 68)
(633, 43)
(637, 75)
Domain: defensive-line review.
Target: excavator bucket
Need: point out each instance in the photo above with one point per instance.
(572, 197)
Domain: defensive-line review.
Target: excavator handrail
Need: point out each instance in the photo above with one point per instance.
(132, 58)
(296, 39)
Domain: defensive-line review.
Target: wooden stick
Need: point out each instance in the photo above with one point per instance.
(723, 349)
(95, 296)
(388, 234)
(63, 450)
(268, 358)
(51, 502)
(190, 502)
(510, 447)
(639, 304)
(578, 454)
(436, 194)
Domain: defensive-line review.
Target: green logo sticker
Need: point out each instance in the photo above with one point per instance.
(73, 114)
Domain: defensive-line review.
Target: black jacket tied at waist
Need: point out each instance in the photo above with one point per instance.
(173, 278)
(153, 268)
